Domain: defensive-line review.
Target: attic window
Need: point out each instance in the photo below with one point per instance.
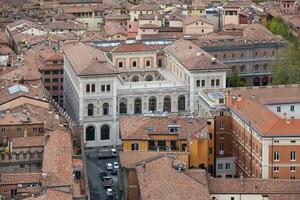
(173, 128)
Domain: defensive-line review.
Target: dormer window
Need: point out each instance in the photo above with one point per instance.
(173, 129)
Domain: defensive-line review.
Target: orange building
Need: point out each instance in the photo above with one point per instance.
(170, 134)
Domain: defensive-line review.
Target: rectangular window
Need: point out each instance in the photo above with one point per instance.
(47, 72)
(217, 82)
(203, 83)
(221, 147)
(220, 166)
(212, 82)
(293, 155)
(210, 150)
(278, 109)
(47, 80)
(292, 108)
(55, 72)
(275, 169)
(19, 130)
(221, 124)
(198, 83)
(227, 166)
(108, 88)
(148, 63)
(222, 136)
(134, 146)
(55, 80)
(293, 168)
(133, 63)
(120, 64)
(276, 156)
(102, 88)
(221, 114)
(55, 88)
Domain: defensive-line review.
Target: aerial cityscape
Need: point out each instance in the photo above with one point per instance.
(150, 100)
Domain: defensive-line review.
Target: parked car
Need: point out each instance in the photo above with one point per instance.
(107, 182)
(109, 194)
(102, 175)
(114, 172)
(116, 165)
(109, 166)
(114, 152)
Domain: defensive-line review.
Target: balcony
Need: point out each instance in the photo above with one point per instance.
(163, 148)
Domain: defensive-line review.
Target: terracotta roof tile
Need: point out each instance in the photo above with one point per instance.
(139, 127)
(159, 180)
(36, 141)
(254, 186)
(87, 60)
(14, 179)
(193, 57)
(57, 162)
(135, 47)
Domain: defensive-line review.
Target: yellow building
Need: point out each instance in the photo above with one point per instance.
(174, 134)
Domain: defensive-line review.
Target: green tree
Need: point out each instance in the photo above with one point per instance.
(280, 27)
(286, 66)
(235, 80)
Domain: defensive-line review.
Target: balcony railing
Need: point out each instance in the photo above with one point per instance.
(163, 148)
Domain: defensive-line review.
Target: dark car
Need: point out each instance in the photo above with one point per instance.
(102, 175)
(114, 172)
(107, 182)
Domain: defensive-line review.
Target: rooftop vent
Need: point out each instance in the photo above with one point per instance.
(213, 60)
(179, 166)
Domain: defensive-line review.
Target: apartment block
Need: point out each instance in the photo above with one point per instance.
(263, 129)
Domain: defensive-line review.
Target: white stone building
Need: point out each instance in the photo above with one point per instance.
(132, 79)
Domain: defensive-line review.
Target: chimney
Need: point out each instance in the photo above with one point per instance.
(239, 98)
(242, 179)
(144, 167)
(223, 175)
(44, 176)
(253, 96)
(213, 60)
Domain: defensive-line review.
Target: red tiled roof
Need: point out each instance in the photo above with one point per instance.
(135, 47)
(139, 127)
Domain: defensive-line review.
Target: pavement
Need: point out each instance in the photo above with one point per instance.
(94, 167)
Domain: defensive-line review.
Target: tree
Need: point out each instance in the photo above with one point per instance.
(280, 27)
(286, 66)
(235, 80)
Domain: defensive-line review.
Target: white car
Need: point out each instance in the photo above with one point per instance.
(114, 152)
(109, 192)
(116, 165)
(109, 166)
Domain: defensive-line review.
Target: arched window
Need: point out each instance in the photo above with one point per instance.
(123, 106)
(87, 88)
(105, 132)
(90, 109)
(93, 88)
(152, 104)
(135, 79)
(149, 78)
(181, 102)
(90, 133)
(138, 106)
(256, 81)
(167, 104)
(105, 109)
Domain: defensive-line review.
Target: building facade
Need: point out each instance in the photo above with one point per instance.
(134, 79)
